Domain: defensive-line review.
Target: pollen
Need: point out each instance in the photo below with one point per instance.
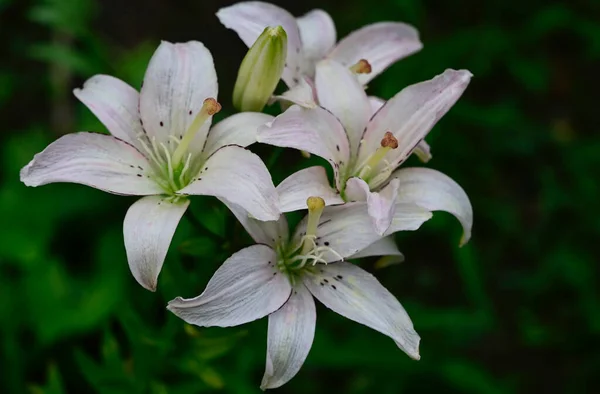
(361, 67)
(211, 106)
(389, 141)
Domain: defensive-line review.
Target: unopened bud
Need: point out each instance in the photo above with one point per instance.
(389, 141)
(261, 70)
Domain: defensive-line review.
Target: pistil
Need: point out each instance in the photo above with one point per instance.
(315, 209)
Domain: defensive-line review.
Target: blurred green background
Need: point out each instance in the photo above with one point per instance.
(514, 311)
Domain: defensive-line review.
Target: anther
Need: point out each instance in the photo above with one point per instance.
(389, 141)
(361, 67)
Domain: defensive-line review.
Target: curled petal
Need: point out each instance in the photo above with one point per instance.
(302, 94)
(309, 182)
(246, 287)
(381, 205)
(384, 247)
(354, 293)
(381, 44)
(148, 229)
(239, 176)
(178, 80)
(290, 337)
(317, 32)
(115, 104)
(239, 129)
(315, 131)
(97, 160)
(412, 113)
(437, 192)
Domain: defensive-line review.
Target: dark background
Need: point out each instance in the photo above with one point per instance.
(514, 311)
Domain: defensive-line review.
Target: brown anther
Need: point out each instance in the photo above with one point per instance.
(389, 141)
(212, 106)
(362, 67)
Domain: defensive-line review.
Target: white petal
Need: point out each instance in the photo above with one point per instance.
(354, 293)
(315, 131)
(317, 32)
(302, 94)
(381, 44)
(437, 192)
(381, 205)
(340, 92)
(239, 129)
(309, 182)
(249, 18)
(97, 160)
(272, 232)
(115, 104)
(411, 114)
(178, 80)
(422, 151)
(384, 247)
(342, 227)
(290, 337)
(148, 229)
(246, 287)
(239, 176)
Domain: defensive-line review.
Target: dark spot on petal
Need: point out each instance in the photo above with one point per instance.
(337, 147)
(325, 280)
(333, 286)
(296, 80)
(140, 175)
(161, 124)
(132, 166)
(190, 112)
(326, 243)
(142, 122)
(339, 277)
(322, 284)
(336, 278)
(141, 169)
(295, 292)
(274, 273)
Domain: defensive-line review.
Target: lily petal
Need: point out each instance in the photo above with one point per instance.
(342, 227)
(302, 94)
(239, 176)
(354, 293)
(272, 232)
(384, 247)
(115, 104)
(249, 18)
(178, 80)
(340, 92)
(309, 182)
(148, 230)
(381, 44)
(412, 113)
(317, 32)
(246, 287)
(381, 205)
(437, 192)
(315, 131)
(290, 337)
(239, 129)
(97, 160)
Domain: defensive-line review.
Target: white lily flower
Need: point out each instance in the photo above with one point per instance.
(280, 276)
(365, 148)
(312, 37)
(161, 148)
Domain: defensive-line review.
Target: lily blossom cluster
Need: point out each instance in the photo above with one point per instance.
(161, 147)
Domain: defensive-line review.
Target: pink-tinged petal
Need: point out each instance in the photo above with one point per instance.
(302, 94)
(148, 230)
(178, 80)
(272, 232)
(376, 104)
(437, 192)
(381, 205)
(97, 160)
(310, 182)
(342, 227)
(239, 129)
(354, 293)
(384, 247)
(249, 18)
(340, 92)
(290, 337)
(115, 104)
(315, 131)
(317, 32)
(381, 44)
(412, 113)
(247, 287)
(239, 176)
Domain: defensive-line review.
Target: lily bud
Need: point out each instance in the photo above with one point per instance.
(261, 70)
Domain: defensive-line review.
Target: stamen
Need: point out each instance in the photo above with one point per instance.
(209, 108)
(388, 142)
(315, 209)
(361, 67)
(185, 168)
(170, 175)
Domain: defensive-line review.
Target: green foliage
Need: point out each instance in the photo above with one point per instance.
(515, 310)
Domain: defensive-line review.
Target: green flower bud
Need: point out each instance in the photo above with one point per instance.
(261, 70)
